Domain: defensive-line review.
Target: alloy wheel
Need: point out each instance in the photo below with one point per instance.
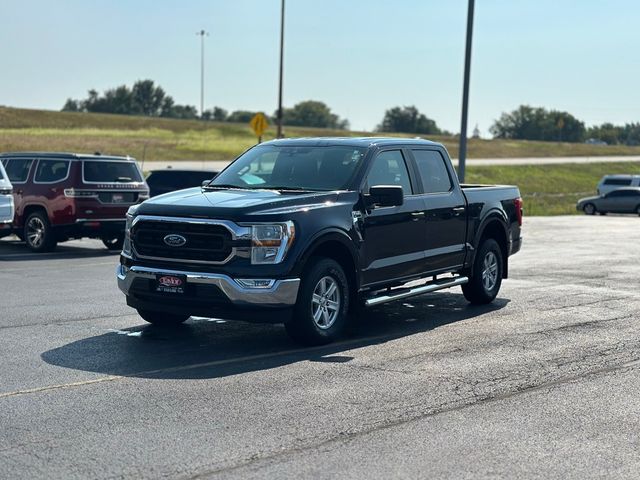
(35, 232)
(490, 271)
(325, 302)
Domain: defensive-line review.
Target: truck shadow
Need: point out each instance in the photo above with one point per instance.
(209, 348)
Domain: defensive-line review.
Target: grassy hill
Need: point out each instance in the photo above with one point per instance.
(168, 139)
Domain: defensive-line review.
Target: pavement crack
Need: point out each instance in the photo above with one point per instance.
(475, 399)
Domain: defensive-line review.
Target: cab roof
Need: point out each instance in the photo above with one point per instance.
(363, 142)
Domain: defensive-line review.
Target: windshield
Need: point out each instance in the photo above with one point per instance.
(109, 171)
(293, 168)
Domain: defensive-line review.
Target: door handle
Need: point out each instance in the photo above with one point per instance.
(417, 214)
(458, 210)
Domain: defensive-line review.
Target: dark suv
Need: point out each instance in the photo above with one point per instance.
(60, 196)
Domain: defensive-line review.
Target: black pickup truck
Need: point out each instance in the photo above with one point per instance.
(308, 231)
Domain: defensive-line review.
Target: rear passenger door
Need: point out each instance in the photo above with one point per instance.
(393, 236)
(444, 208)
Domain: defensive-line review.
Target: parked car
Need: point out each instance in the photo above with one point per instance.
(609, 183)
(60, 196)
(301, 231)
(622, 200)
(170, 180)
(6, 203)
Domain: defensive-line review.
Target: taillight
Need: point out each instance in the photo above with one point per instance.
(519, 204)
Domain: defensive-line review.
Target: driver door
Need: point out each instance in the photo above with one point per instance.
(393, 245)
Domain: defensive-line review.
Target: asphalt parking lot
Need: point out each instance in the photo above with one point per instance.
(543, 383)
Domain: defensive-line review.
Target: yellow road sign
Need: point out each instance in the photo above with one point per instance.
(259, 124)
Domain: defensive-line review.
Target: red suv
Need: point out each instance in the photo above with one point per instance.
(60, 196)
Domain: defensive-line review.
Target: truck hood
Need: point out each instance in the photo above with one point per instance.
(233, 203)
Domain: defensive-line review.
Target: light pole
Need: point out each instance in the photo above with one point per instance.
(462, 155)
(279, 119)
(202, 34)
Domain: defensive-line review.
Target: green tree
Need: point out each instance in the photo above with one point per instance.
(240, 116)
(216, 114)
(529, 123)
(72, 105)
(407, 120)
(312, 113)
(147, 99)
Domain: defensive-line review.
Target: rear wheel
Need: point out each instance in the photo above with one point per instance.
(590, 209)
(485, 282)
(161, 318)
(114, 243)
(38, 233)
(320, 314)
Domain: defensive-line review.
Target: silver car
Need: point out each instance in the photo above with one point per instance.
(609, 183)
(6, 201)
(622, 200)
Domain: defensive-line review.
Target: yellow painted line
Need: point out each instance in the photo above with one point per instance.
(54, 387)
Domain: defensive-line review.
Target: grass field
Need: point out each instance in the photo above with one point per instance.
(550, 189)
(167, 139)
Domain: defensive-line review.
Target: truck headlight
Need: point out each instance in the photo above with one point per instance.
(126, 245)
(270, 242)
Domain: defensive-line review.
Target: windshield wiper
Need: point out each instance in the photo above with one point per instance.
(223, 186)
(289, 188)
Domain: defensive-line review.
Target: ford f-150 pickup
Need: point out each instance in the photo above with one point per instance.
(308, 231)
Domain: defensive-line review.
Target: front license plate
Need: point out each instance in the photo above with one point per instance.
(171, 283)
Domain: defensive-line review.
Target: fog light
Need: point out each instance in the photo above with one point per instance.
(255, 282)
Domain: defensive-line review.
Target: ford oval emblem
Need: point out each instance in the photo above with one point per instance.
(175, 240)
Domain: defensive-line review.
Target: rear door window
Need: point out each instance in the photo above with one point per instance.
(433, 171)
(617, 181)
(109, 171)
(51, 171)
(18, 169)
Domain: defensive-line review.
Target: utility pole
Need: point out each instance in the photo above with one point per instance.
(462, 155)
(279, 119)
(202, 34)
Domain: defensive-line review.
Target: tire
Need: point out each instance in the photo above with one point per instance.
(161, 318)
(589, 209)
(38, 233)
(114, 243)
(321, 312)
(638, 209)
(485, 282)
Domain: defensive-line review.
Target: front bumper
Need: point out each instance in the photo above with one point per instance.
(213, 294)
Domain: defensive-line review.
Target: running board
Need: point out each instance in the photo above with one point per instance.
(428, 287)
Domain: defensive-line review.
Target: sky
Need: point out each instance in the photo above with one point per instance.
(360, 57)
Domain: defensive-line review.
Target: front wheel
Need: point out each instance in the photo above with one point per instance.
(38, 233)
(161, 318)
(486, 279)
(114, 243)
(590, 209)
(320, 314)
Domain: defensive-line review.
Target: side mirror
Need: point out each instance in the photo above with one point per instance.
(206, 182)
(385, 196)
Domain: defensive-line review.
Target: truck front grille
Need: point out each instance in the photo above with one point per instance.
(205, 243)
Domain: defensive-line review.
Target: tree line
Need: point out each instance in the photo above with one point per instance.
(523, 123)
(536, 123)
